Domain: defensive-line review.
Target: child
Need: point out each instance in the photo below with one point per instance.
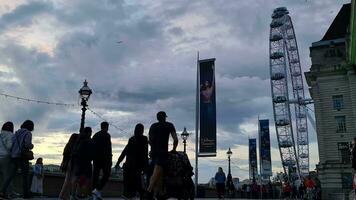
(37, 180)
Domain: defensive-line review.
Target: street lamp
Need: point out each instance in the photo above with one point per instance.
(229, 176)
(184, 136)
(84, 94)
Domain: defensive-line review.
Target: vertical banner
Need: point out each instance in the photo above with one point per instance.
(265, 148)
(252, 146)
(207, 109)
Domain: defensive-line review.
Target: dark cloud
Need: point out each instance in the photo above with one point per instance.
(23, 14)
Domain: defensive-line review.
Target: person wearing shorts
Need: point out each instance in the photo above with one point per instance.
(158, 139)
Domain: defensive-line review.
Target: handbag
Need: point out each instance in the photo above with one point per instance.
(26, 154)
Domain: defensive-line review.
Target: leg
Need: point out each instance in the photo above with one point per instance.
(138, 184)
(155, 178)
(24, 171)
(106, 168)
(11, 175)
(96, 173)
(64, 194)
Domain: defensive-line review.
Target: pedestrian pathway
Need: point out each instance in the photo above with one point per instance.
(121, 198)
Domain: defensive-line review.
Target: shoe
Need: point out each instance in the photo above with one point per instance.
(97, 194)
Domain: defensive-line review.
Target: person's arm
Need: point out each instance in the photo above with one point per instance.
(145, 154)
(150, 136)
(28, 140)
(175, 138)
(8, 143)
(110, 148)
(122, 156)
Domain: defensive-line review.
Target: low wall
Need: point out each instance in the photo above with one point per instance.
(52, 184)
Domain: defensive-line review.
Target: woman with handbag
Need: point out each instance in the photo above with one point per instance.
(21, 154)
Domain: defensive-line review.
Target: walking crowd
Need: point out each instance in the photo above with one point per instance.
(87, 162)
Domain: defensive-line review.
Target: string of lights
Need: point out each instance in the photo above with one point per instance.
(36, 101)
(111, 124)
(28, 100)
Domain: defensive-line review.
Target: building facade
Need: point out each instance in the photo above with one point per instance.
(332, 86)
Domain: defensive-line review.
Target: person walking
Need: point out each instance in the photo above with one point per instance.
(82, 167)
(67, 167)
(136, 153)
(220, 180)
(37, 179)
(158, 139)
(310, 185)
(102, 158)
(7, 132)
(21, 154)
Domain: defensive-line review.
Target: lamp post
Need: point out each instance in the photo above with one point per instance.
(184, 136)
(229, 176)
(84, 94)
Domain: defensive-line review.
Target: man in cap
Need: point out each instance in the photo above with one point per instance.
(159, 138)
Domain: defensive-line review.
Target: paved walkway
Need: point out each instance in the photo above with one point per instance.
(121, 198)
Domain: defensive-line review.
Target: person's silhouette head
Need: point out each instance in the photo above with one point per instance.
(86, 134)
(8, 126)
(104, 126)
(28, 124)
(161, 116)
(139, 128)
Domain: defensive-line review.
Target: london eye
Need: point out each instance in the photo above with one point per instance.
(287, 92)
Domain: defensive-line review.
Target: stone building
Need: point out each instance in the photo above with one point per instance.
(332, 85)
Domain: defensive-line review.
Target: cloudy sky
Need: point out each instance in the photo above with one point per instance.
(48, 48)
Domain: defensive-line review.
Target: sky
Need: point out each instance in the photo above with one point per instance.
(49, 47)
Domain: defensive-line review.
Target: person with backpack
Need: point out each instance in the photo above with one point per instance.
(67, 168)
(7, 132)
(136, 153)
(21, 154)
(102, 158)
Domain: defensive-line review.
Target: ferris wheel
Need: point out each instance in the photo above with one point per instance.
(284, 54)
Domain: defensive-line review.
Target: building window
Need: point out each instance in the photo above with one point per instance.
(338, 102)
(345, 154)
(340, 124)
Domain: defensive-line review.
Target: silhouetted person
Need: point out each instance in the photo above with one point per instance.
(21, 142)
(158, 138)
(7, 132)
(67, 167)
(136, 153)
(81, 160)
(37, 179)
(220, 180)
(102, 158)
(310, 185)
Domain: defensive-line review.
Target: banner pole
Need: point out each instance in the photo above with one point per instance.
(197, 128)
